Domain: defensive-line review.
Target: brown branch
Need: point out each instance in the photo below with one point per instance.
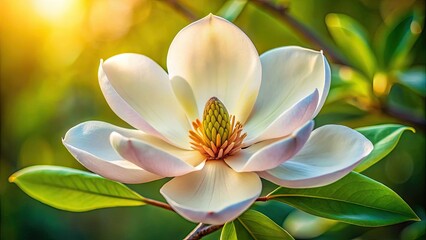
(202, 230)
(302, 30)
(195, 230)
(262, 199)
(158, 204)
(175, 4)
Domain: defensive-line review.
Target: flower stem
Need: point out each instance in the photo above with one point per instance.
(158, 204)
(202, 230)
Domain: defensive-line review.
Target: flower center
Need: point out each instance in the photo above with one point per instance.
(218, 135)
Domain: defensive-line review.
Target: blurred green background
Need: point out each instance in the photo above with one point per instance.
(50, 52)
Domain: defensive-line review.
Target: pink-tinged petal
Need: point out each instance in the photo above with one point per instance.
(214, 195)
(217, 60)
(157, 156)
(331, 152)
(290, 120)
(289, 74)
(271, 153)
(145, 87)
(89, 143)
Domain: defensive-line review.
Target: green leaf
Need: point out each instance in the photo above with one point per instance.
(232, 9)
(355, 199)
(253, 225)
(396, 40)
(351, 38)
(73, 190)
(302, 225)
(414, 79)
(384, 138)
(228, 232)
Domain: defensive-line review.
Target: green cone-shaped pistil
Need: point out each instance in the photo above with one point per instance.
(216, 120)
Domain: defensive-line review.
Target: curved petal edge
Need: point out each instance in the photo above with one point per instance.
(330, 153)
(214, 195)
(269, 154)
(157, 156)
(88, 142)
(217, 59)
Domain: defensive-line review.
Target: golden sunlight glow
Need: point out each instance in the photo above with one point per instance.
(380, 84)
(415, 27)
(53, 10)
(346, 73)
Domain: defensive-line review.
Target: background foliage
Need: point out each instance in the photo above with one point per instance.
(50, 51)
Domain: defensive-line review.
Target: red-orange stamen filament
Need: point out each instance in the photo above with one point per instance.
(216, 149)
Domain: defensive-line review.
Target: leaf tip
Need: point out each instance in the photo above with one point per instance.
(411, 129)
(12, 178)
(416, 218)
(332, 19)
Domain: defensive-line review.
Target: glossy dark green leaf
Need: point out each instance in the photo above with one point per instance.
(352, 40)
(384, 138)
(253, 225)
(232, 9)
(355, 199)
(397, 39)
(73, 190)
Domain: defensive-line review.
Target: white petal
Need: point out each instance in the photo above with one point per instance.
(289, 74)
(217, 60)
(269, 154)
(121, 107)
(89, 143)
(157, 156)
(331, 152)
(145, 86)
(214, 195)
(290, 120)
(185, 95)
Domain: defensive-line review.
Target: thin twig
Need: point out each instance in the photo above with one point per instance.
(281, 13)
(195, 230)
(175, 4)
(158, 204)
(202, 230)
(262, 199)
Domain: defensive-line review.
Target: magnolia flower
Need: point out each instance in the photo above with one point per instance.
(221, 118)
